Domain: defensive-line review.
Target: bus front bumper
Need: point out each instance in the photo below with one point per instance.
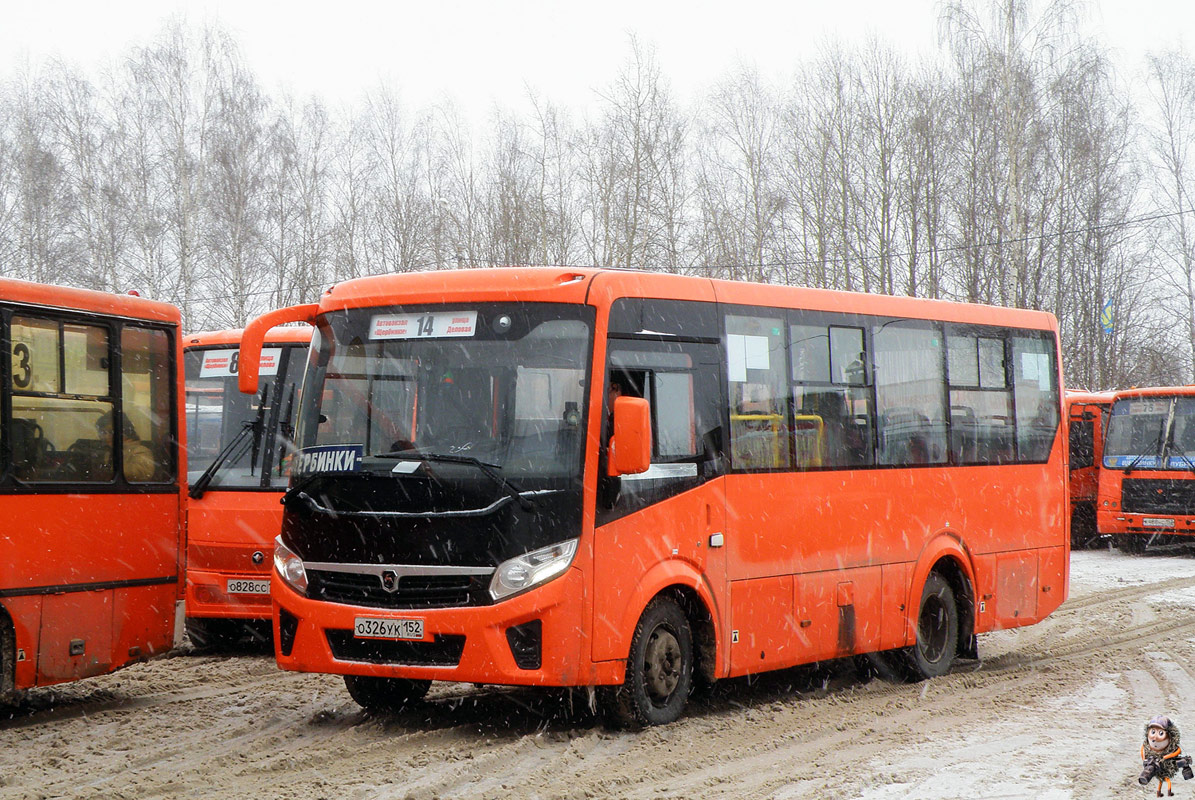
(1117, 522)
(533, 639)
(228, 595)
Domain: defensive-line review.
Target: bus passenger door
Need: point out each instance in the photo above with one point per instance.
(667, 522)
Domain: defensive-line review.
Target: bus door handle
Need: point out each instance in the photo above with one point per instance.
(716, 540)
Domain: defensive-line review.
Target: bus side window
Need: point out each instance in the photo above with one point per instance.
(680, 383)
(830, 394)
(60, 390)
(909, 377)
(758, 391)
(146, 379)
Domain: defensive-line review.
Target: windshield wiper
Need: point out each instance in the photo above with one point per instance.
(286, 430)
(489, 469)
(239, 444)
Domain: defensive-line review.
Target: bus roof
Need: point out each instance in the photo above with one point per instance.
(1085, 397)
(297, 334)
(120, 305)
(1157, 391)
(580, 285)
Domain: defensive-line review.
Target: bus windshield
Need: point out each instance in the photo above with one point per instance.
(1151, 433)
(253, 438)
(502, 384)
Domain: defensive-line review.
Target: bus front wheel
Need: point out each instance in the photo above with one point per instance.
(659, 668)
(937, 630)
(385, 695)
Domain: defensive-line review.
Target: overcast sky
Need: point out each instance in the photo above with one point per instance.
(482, 52)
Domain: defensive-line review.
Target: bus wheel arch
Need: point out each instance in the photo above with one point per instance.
(947, 582)
(8, 658)
(660, 666)
(937, 623)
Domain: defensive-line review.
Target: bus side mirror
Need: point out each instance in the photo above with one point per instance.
(255, 334)
(630, 445)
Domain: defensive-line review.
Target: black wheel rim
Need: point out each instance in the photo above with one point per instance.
(662, 665)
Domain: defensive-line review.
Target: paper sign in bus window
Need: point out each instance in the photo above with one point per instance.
(223, 363)
(745, 352)
(428, 325)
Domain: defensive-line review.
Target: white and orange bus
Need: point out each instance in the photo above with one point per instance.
(1087, 413)
(92, 547)
(1147, 480)
(635, 481)
(238, 449)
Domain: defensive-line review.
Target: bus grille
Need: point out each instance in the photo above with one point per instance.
(444, 651)
(414, 591)
(1158, 496)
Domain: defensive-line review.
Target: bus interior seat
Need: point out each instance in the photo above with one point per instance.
(28, 445)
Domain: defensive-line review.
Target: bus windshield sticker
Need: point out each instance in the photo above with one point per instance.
(223, 363)
(1138, 462)
(430, 325)
(329, 458)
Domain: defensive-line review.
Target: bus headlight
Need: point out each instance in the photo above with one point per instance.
(290, 566)
(531, 569)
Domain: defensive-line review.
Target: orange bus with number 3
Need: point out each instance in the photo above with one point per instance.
(91, 554)
(639, 482)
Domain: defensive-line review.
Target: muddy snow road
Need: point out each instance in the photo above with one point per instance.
(1051, 711)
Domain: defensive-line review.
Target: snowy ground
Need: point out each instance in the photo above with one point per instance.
(1053, 711)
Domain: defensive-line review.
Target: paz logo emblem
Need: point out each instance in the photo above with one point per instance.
(258, 557)
(390, 580)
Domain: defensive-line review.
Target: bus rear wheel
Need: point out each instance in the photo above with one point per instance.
(385, 695)
(937, 630)
(659, 669)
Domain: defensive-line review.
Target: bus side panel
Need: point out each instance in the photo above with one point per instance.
(677, 529)
(763, 630)
(1053, 578)
(1016, 588)
(98, 542)
(894, 617)
(95, 538)
(143, 622)
(827, 527)
(76, 637)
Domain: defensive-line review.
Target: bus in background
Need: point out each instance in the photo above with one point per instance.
(636, 481)
(91, 553)
(1088, 416)
(238, 448)
(1147, 483)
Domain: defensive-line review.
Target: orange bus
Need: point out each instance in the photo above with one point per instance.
(92, 548)
(1147, 483)
(237, 452)
(1088, 416)
(636, 482)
